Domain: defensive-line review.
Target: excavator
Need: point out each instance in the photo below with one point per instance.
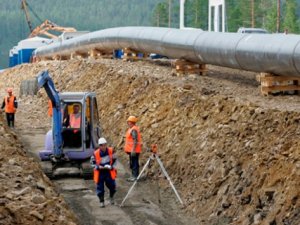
(47, 25)
(44, 27)
(69, 146)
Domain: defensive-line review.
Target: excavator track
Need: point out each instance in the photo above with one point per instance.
(86, 170)
(47, 168)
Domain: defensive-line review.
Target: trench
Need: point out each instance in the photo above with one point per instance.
(142, 206)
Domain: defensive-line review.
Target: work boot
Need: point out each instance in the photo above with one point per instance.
(101, 198)
(102, 205)
(112, 200)
(131, 179)
(111, 196)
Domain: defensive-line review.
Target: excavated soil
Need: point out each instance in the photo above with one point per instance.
(26, 194)
(232, 153)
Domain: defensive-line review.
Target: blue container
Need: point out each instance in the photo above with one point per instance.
(11, 61)
(27, 46)
(11, 58)
(118, 53)
(15, 59)
(25, 55)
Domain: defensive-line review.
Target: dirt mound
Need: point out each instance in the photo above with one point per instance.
(232, 153)
(27, 196)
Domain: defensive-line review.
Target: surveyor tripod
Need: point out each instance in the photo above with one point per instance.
(153, 156)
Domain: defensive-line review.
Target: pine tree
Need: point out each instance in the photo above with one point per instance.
(290, 20)
(234, 15)
(196, 13)
(160, 18)
(271, 17)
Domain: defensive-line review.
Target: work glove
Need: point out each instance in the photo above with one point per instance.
(133, 154)
(107, 167)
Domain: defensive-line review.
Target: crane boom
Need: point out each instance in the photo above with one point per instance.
(45, 26)
(24, 7)
(48, 25)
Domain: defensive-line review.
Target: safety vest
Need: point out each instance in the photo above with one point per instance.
(129, 140)
(9, 104)
(113, 171)
(74, 121)
(50, 111)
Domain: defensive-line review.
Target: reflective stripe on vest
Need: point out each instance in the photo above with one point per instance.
(113, 172)
(9, 104)
(74, 121)
(129, 140)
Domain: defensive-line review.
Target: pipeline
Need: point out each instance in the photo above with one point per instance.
(273, 53)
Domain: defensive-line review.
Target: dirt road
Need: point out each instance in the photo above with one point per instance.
(142, 207)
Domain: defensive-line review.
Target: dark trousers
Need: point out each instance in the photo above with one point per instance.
(134, 165)
(10, 117)
(106, 179)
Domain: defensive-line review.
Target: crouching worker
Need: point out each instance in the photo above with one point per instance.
(104, 161)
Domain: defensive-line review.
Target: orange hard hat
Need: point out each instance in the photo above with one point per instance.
(9, 90)
(132, 119)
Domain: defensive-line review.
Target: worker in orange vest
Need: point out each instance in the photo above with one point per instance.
(133, 146)
(74, 119)
(10, 104)
(104, 162)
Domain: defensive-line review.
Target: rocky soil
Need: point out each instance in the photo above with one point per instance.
(232, 153)
(26, 194)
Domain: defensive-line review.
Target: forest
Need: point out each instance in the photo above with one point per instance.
(91, 15)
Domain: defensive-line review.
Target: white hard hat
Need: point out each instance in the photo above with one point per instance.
(102, 141)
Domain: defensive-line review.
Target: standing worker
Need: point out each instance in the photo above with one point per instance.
(104, 163)
(133, 147)
(10, 103)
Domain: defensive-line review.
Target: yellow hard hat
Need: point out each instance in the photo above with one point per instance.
(132, 119)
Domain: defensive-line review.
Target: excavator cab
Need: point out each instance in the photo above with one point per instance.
(80, 133)
(80, 128)
(75, 131)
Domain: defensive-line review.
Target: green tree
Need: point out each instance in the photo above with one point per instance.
(196, 13)
(160, 18)
(290, 19)
(234, 16)
(271, 17)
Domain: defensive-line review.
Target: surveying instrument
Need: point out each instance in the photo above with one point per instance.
(153, 156)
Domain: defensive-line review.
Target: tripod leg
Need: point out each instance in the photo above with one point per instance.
(168, 178)
(130, 190)
(156, 177)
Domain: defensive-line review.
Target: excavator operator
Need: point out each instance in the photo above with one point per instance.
(72, 137)
(73, 120)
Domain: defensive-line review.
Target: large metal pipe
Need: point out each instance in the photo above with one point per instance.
(274, 53)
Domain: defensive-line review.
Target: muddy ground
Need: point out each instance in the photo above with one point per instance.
(232, 153)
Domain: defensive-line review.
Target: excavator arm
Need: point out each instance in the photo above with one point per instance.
(24, 7)
(48, 25)
(45, 81)
(45, 26)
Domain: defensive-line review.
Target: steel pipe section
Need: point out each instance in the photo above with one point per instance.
(274, 53)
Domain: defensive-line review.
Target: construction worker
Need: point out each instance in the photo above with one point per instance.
(10, 103)
(74, 119)
(133, 147)
(72, 137)
(104, 164)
